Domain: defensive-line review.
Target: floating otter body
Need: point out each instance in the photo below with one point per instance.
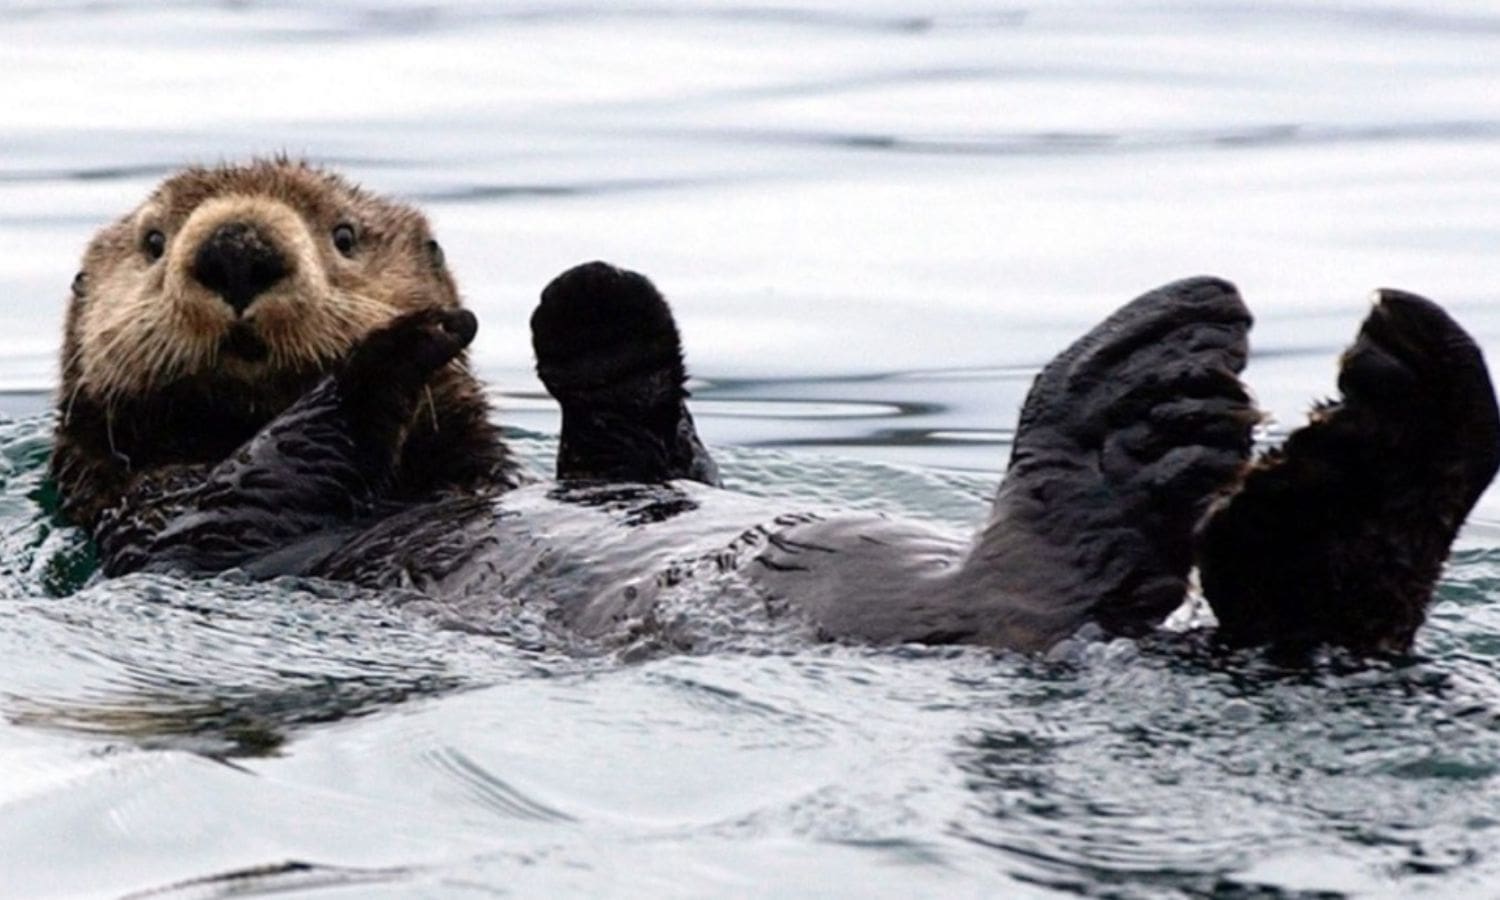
(210, 309)
(1125, 440)
(1131, 462)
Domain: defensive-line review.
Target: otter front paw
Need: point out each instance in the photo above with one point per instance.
(413, 346)
(385, 379)
(608, 350)
(598, 326)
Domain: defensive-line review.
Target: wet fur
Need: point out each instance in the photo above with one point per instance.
(328, 465)
(1129, 440)
(152, 393)
(1339, 535)
(616, 370)
(1132, 463)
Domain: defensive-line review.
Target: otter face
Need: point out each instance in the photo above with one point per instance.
(243, 276)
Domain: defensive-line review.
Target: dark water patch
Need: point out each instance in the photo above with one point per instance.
(72, 9)
(1070, 143)
(217, 668)
(820, 18)
(80, 222)
(960, 374)
(721, 700)
(482, 193)
(100, 173)
(875, 80)
(489, 790)
(273, 878)
(38, 553)
(156, 169)
(386, 18)
(903, 437)
(1407, 20)
(218, 720)
(1187, 782)
(345, 21)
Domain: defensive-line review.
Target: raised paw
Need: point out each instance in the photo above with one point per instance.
(415, 344)
(1410, 354)
(1125, 439)
(391, 370)
(1339, 536)
(608, 350)
(598, 325)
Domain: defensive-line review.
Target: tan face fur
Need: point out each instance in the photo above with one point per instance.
(139, 322)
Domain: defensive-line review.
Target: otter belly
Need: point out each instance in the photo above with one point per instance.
(609, 561)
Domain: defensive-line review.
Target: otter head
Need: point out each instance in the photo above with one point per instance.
(211, 307)
(243, 276)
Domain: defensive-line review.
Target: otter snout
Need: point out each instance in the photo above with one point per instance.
(239, 262)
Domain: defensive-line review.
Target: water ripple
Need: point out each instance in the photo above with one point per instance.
(1070, 143)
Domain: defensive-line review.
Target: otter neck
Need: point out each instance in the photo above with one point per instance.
(637, 430)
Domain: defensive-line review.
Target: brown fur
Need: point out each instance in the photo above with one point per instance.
(150, 384)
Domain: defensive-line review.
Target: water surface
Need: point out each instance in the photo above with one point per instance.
(875, 222)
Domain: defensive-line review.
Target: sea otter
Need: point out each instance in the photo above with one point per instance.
(1131, 464)
(206, 312)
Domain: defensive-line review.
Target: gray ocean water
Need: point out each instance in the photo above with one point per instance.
(875, 221)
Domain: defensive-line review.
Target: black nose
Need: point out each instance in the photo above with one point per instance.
(238, 262)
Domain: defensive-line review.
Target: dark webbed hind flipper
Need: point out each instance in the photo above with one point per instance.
(324, 462)
(1339, 536)
(607, 349)
(1125, 439)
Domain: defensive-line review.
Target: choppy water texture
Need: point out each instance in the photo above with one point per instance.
(875, 220)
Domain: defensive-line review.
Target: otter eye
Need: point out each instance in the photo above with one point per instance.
(80, 283)
(155, 244)
(343, 238)
(435, 253)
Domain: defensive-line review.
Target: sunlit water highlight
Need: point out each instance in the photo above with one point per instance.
(875, 222)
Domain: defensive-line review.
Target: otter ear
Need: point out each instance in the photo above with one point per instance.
(80, 284)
